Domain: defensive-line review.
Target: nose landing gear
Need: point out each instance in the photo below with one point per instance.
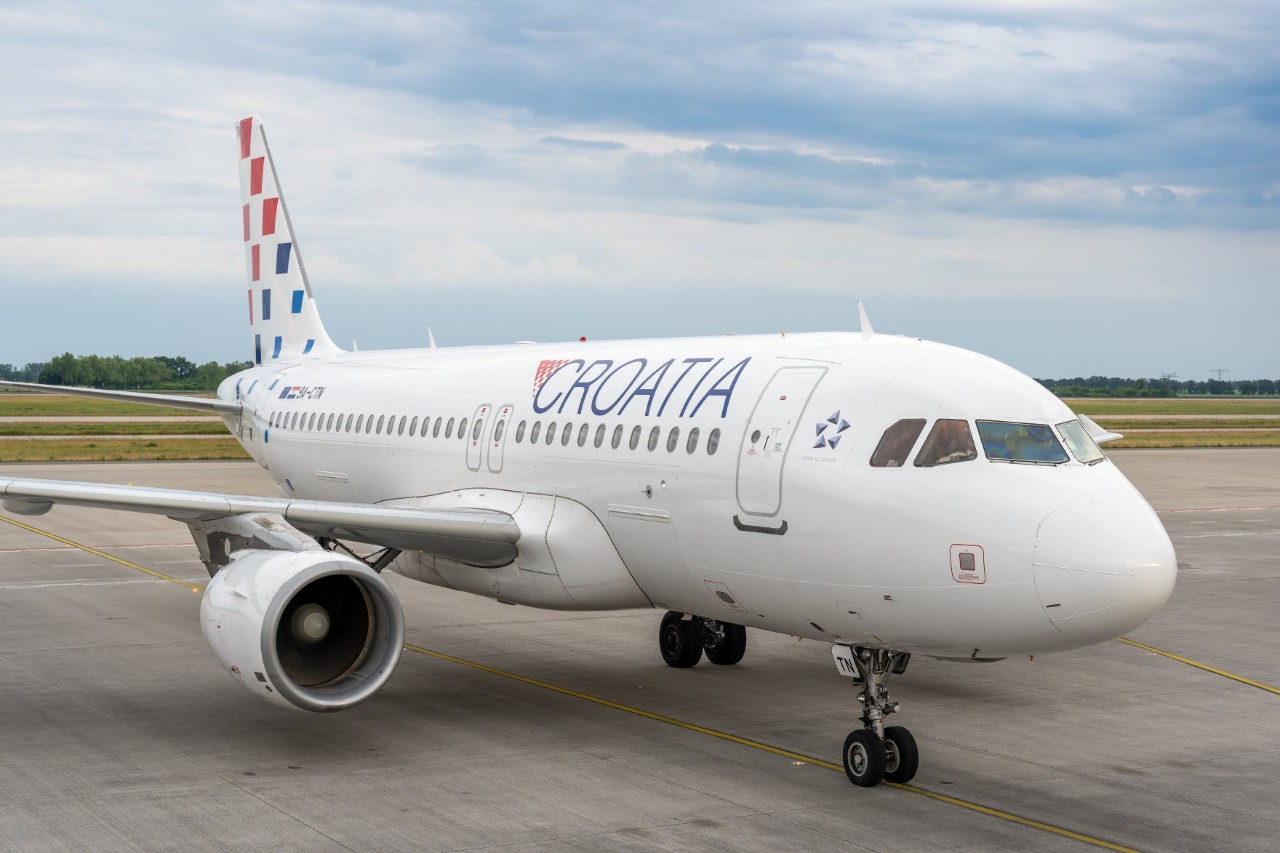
(876, 753)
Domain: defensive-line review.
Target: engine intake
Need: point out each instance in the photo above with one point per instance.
(312, 629)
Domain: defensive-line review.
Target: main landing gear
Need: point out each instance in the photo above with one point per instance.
(683, 640)
(877, 753)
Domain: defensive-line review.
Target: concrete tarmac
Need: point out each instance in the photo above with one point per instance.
(119, 730)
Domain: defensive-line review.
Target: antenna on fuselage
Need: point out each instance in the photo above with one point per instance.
(864, 323)
(431, 338)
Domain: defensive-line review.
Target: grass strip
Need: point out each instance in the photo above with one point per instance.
(1175, 406)
(135, 450)
(36, 405)
(1222, 438)
(74, 428)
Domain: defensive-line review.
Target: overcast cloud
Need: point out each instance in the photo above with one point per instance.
(1071, 187)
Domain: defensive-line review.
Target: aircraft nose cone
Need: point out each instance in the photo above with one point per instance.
(1103, 566)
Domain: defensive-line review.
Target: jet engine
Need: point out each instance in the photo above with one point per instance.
(311, 629)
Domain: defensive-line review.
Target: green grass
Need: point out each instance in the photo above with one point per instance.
(1120, 424)
(1175, 406)
(86, 450)
(20, 404)
(76, 428)
(1222, 438)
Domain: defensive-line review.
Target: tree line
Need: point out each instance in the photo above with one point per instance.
(1114, 386)
(156, 373)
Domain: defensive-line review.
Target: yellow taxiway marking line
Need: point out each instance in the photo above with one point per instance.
(161, 575)
(1205, 667)
(785, 753)
(662, 718)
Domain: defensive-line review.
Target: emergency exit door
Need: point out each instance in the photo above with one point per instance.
(770, 430)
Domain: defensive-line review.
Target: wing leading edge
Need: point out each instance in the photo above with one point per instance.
(477, 537)
(200, 404)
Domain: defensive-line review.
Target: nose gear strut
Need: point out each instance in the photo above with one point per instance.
(877, 752)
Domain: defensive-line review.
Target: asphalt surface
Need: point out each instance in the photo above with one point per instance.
(120, 731)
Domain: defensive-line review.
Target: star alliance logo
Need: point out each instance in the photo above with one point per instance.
(830, 439)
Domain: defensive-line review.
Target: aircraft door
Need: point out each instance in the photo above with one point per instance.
(475, 438)
(498, 438)
(768, 436)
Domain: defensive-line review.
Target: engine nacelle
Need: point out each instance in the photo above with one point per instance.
(312, 629)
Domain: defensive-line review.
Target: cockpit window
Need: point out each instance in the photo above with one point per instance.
(949, 441)
(1007, 442)
(896, 443)
(1080, 443)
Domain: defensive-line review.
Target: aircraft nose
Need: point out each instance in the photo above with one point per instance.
(1103, 566)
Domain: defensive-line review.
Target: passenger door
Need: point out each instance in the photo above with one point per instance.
(768, 437)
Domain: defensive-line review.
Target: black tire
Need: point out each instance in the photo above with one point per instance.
(680, 640)
(728, 649)
(901, 757)
(864, 758)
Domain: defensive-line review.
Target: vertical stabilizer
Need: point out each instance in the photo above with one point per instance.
(283, 319)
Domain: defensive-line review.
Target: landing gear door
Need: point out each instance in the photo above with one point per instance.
(476, 438)
(770, 431)
(498, 437)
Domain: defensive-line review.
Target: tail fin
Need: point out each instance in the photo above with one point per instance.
(282, 312)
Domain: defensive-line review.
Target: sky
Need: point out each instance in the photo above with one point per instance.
(1073, 187)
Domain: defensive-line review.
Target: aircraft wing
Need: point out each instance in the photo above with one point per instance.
(1098, 433)
(478, 537)
(201, 404)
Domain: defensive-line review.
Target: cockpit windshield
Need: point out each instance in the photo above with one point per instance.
(949, 441)
(1010, 442)
(1081, 444)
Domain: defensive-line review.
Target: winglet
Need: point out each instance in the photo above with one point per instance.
(864, 323)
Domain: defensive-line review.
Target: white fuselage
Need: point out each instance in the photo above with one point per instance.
(786, 526)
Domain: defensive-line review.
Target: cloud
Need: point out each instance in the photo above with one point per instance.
(732, 155)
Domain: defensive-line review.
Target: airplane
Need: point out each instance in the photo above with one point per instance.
(888, 495)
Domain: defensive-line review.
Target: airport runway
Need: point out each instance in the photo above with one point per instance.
(118, 729)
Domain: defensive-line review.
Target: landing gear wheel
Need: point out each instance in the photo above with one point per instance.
(725, 644)
(864, 758)
(901, 757)
(680, 640)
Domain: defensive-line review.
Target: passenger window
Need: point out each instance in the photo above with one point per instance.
(551, 432)
(435, 430)
(1010, 442)
(520, 432)
(475, 430)
(311, 422)
(359, 422)
(692, 444)
(566, 435)
(713, 442)
(673, 439)
(1081, 444)
(896, 443)
(400, 429)
(635, 438)
(949, 441)
(582, 434)
(381, 422)
(533, 433)
(462, 429)
(328, 427)
(426, 424)
(600, 435)
(653, 438)
(617, 437)
(499, 430)
(350, 418)
(413, 425)
(448, 429)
